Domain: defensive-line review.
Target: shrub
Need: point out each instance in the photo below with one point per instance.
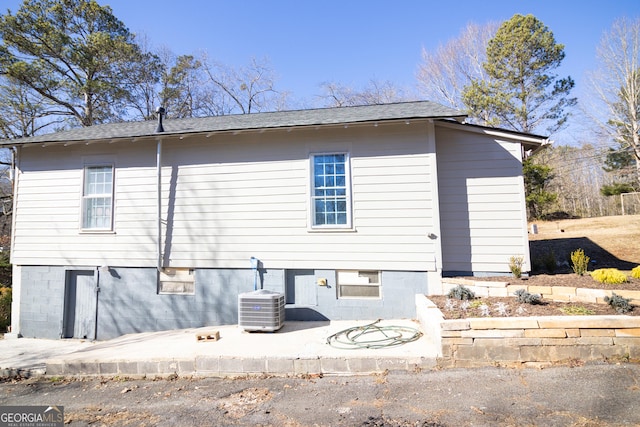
(620, 303)
(609, 276)
(579, 262)
(5, 308)
(461, 292)
(635, 272)
(515, 265)
(475, 304)
(528, 298)
(577, 310)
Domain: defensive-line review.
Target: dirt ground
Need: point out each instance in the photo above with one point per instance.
(609, 242)
(592, 395)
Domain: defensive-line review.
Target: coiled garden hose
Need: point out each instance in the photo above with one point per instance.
(373, 336)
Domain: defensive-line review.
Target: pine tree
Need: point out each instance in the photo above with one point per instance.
(75, 54)
(521, 92)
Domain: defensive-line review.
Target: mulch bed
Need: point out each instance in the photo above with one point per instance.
(565, 279)
(510, 307)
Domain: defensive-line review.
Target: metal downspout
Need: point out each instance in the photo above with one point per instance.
(160, 112)
(17, 282)
(159, 219)
(97, 290)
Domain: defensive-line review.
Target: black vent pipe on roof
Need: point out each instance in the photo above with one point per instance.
(160, 111)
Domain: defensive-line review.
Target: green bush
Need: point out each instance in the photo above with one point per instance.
(579, 262)
(635, 272)
(462, 293)
(620, 303)
(5, 308)
(609, 276)
(515, 265)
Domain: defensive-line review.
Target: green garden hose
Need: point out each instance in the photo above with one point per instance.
(373, 336)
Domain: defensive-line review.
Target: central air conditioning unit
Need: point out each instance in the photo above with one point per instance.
(261, 310)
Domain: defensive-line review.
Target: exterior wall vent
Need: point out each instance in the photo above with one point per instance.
(261, 310)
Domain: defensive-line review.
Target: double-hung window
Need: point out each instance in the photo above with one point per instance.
(330, 192)
(97, 198)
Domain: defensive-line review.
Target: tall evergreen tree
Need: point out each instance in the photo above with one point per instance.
(537, 196)
(73, 53)
(521, 91)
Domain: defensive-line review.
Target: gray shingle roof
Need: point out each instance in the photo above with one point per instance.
(273, 120)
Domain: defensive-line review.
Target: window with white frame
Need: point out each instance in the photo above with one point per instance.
(97, 198)
(330, 193)
(358, 284)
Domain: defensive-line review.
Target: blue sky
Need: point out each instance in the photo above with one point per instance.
(352, 42)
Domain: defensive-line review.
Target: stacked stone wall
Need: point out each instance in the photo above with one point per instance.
(539, 340)
(530, 341)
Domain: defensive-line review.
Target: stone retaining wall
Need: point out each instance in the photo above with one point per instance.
(530, 341)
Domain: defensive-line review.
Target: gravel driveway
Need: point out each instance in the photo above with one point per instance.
(591, 395)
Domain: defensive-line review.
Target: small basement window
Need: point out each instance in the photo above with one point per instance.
(177, 281)
(359, 284)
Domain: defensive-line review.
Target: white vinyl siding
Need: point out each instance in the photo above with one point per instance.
(49, 190)
(231, 197)
(481, 202)
(251, 206)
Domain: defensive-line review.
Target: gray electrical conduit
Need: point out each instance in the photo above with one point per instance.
(373, 336)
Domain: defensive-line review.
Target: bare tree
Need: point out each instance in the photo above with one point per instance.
(183, 86)
(375, 92)
(616, 85)
(142, 83)
(577, 176)
(243, 90)
(24, 112)
(443, 74)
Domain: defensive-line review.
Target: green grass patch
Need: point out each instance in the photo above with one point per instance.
(577, 310)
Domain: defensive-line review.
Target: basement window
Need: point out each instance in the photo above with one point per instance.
(177, 281)
(359, 284)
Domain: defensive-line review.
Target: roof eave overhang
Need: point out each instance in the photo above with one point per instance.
(529, 142)
(208, 133)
